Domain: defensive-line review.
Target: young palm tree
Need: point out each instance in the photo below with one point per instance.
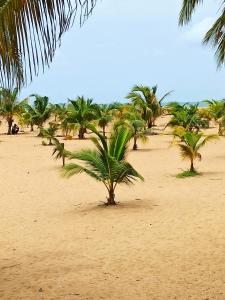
(136, 125)
(215, 35)
(190, 144)
(145, 99)
(217, 111)
(104, 116)
(59, 151)
(187, 116)
(107, 163)
(30, 32)
(50, 133)
(81, 112)
(40, 111)
(10, 106)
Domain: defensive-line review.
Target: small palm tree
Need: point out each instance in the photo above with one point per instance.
(59, 151)
(107, 163)
(81, 112)
(217, 112)
(145, 99)
(104, 116)
(49, 133)
(190, 144)
(136, 125)
(10, 106)
(40, 111)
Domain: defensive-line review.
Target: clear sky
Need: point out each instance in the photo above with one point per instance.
(127, 42)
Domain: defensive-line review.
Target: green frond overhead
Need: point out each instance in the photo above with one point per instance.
(187, 10)
(31, 31)
(215, 35)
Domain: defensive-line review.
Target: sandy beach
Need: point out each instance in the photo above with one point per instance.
(165, 240)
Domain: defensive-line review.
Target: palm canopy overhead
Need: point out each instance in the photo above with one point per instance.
(30, 31)
(215, 35)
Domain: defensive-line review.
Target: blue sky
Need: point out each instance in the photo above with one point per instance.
(134, 42)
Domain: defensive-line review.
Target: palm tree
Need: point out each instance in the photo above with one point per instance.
(30, 32)
(50, 132)
(81, 112)
(59, 111)
(107, 163)
(40, 111)
(215, 34)
(60, 151)
(190, 144)
(10, 106)
(104, 116)
(136, 125)
(217, 112)
(145, 99)
(187, 116)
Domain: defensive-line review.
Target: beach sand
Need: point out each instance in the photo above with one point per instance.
(165, 240)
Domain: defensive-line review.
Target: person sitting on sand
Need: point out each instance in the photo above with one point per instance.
(15, 129)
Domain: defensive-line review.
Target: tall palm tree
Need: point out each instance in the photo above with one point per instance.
(30, 32)
(40, 111)
(190, 144)
(215, 35)
(81, 112)
(107, 163)
(10, 106)
(145, 99)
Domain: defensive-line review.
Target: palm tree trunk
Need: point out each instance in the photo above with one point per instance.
(10, 122)
(63, 160)
(81, 132)
(111, 199)
(220, 133)
(103, 129)
(135, 146)
(31, 127)
(192, 169)
(40, 133)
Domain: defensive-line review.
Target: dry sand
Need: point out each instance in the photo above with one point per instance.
(166, 239)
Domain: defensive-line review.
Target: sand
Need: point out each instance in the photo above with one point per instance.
(165, 240)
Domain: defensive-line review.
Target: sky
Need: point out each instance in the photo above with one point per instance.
(128, 42)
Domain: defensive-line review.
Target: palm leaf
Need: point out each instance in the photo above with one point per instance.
(30, 32)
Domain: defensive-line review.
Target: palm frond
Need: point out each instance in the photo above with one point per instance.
(187, 10)
(30, 32)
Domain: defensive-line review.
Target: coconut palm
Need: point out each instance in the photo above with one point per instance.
(30, 32)
(217, 112)
(136, 125)
(187, 116)
(10, 106)
(81, 112)
(59, 111)
(190, 144)
(104, 116)
(49, 133)
(59, 151)
(215, 35)
(40, 111)
(145, 100)
(107, 163)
